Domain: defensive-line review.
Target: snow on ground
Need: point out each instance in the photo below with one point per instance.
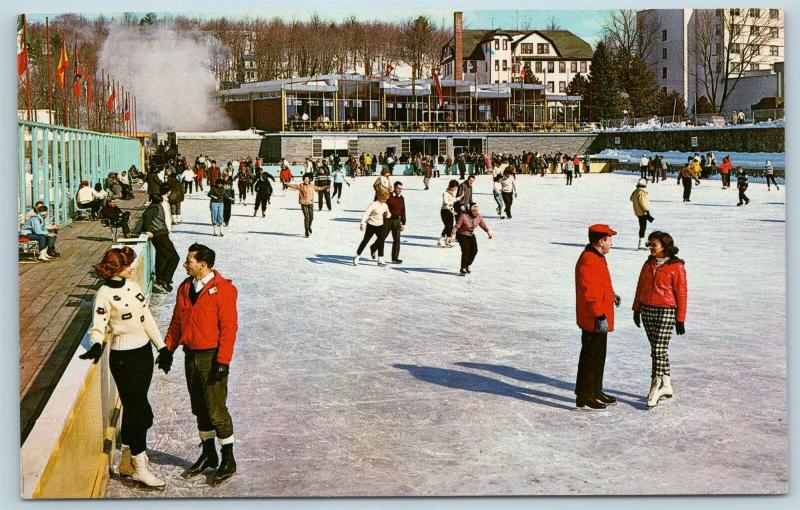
(655, 124)
(413, 381)
(744, 159)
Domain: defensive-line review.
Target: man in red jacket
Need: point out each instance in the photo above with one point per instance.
(205, 322)
(594, 303)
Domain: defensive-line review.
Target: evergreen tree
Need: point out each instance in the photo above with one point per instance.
(641, 89)
(579, 86)
(604, 85)
(669, 104)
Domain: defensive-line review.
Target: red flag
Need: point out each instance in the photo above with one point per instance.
(89, 87)
(22, 46)
(522, 75)
(438, 86)
(111, 96)
(76, 81)
(63, 65)
(127, 114)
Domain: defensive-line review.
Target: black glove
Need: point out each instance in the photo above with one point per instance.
(649, 218)
(164, 359)
(637, 318)
(679, 329)
(94, 353)
(218, 372)
(617, 300)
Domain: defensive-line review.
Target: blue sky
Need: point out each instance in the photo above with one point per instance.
(584, 23)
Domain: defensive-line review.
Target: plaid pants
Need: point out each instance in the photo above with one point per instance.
(658, 325)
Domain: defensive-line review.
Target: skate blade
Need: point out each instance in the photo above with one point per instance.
(216, 482)
(135, 484)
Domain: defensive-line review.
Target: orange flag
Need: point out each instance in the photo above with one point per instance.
(63, 65)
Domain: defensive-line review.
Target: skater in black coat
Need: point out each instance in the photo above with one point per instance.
(263, 192)
(742, 183)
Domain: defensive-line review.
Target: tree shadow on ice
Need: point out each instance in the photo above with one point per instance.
(348, 220)
(425, 270)
(583, 245)
(345, 260)
(472, 382)
(283, 234)
(429, 238)
(770, 221)
(531, 377)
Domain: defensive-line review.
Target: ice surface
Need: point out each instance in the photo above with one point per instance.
(411, 380)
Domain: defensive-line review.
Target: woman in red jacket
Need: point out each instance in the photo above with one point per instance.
(660, 304)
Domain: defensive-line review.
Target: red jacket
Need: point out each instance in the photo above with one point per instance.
(662, 287)
(210, 323)
(213, 175)
(594, 295)
(725, 167)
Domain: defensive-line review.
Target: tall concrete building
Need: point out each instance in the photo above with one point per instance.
(749, 42)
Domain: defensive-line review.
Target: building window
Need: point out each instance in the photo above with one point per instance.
(663, 73)
(663, 54)
(754, 29)
(756, 50)
(527, 48)
(754, 13)
(496, 65)
(562, 67)
(754, 66)
(773, 51)
(736, 67)
(663, 35)
(773, 31)
(497, 44)
(736, 48)
(505, 44)
(551, 67)
(773, 14)
(562, 87)
(583, 66)
(505, 65)
(550, 86)
(735, 12)
(538, 66)
(542, 49)
(718, 30)
(573, 67)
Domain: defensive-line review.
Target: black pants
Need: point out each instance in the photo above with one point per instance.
(771, 178)
(642, 225)
(132, 371)
(95, 206)
(726, 180)
(187, 186)
(654, 176)
(262, 199)
(207, 397)
(643, 172)
(742, 197)
(199, 184)
(379, 232)
(591, 364)
(324, 195)
(337, 190)
(393, 226)
(167, 258)
(569, 178)
(123, 223)
(508, 199)
(242, 191)
(226, 211)
(687, 188)
(447, 219)
(469, 249)
(308, 217)
(127, 191)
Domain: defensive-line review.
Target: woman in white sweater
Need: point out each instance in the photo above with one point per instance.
(121, 315)
(448, 212)
(373, 218)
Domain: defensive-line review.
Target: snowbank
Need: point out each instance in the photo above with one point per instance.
(744, 159)
(655, 125)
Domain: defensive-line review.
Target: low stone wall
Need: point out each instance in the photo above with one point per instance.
(721, 139)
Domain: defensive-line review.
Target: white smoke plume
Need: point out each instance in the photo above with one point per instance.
(169, 72)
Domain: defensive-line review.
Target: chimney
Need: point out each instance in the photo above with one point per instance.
(458, 60)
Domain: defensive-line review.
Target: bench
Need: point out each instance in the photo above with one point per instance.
(27, 246)
(114, 227)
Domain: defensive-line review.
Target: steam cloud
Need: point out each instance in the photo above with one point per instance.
(169, 72)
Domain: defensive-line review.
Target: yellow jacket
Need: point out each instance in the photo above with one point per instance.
(641, 201)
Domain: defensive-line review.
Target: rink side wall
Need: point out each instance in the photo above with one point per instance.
(733, 139)
(69, 451)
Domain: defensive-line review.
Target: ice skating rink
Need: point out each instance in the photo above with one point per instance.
(411, 380)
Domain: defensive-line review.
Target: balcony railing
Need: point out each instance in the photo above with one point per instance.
(503, 126)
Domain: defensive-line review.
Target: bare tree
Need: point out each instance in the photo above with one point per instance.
(631, 32)
(724, 48)
(553, 23)
(416, 43)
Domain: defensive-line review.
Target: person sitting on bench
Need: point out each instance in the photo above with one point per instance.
(116, 216)
(35, 228)
(87, 198)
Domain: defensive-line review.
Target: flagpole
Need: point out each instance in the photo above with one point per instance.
(135, 119)
(103, 87)
(114, 125)
(122, 127)
(49, 71)
(64, 79)
(75, 96)
(27, 67)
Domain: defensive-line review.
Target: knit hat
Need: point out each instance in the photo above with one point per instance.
(641, 183)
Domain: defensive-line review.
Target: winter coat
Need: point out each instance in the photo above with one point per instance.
(594, 295)
(725, 167)
(175, 191)
(213, 174)
(641, 201)
(263, 187)
(662, 286)
(210, 323)
(153, 220)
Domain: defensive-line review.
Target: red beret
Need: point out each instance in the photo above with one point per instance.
(599, 228)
